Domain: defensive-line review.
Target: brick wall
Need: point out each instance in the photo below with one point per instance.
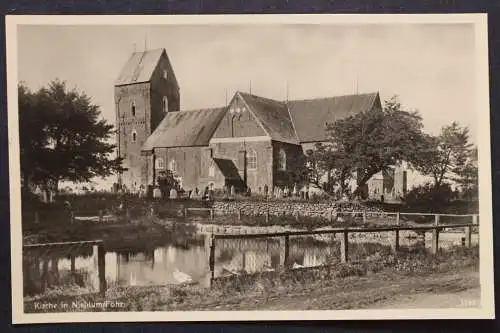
(128, 123)
(257, 177)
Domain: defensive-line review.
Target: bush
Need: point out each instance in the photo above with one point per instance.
(426, 198)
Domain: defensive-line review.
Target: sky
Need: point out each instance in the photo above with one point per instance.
(431, 67)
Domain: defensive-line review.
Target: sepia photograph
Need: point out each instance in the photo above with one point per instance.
(249, 167)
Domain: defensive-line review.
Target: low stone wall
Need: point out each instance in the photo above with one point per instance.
(277, 208)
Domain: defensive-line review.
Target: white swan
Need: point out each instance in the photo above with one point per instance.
(295, 265)
(181, 277)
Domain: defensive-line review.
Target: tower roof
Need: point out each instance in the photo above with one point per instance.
(140, 67)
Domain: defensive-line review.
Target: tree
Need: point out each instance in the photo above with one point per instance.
(376, 140)
(166, 182)
(62, 137)
(449, 156)
(468, 175)
(323, 160)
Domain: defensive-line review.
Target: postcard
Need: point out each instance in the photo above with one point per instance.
(249, 167)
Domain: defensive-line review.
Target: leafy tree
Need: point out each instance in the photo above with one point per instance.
(62, 137)
(450, 156)
(166, 181)
(323, 160)
(468, 175)
(377, 140)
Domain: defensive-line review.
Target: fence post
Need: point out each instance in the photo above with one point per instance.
(475, 219)
(185, 212)
(435, 240)
(344, 246)
(436, 220)
(331, 216)
(267, 216)
(284, 251)
(468, 236)
(364, 216)
(239, 214)
(396, 234)
(287, 251)
(398, 219)
(72, 265)
(212, 213)
(211, 259)
(101, 264)
(100, 216)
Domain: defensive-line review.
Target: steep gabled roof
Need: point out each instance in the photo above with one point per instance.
(139, 67)
(310, 116)
(185, 129)
(273, 116)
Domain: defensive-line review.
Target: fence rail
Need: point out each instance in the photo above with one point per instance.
(284, 238)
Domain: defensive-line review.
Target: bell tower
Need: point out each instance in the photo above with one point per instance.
(145, 91)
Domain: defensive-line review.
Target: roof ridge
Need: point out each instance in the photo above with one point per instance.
(150, 50)
(331, 97)
(203, 109)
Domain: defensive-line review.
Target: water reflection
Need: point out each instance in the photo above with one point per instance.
(170, 263)
(162, 265)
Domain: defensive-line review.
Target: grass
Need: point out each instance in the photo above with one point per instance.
(340, 286)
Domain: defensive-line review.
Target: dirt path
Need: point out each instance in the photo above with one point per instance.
(439, 290)
(465, 299)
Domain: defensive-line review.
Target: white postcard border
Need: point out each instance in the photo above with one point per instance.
(485, 203)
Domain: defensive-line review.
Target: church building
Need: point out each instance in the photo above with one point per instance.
(251, 142)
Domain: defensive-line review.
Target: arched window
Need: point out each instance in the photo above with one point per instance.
(133, 108)
(282, 160)
(134, 136)
(172, 166)
(159, 163)
(251, 159)
(165, 104)
(211, 171)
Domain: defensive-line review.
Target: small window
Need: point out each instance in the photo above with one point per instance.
(165, 104)
(134, 136)
(133, 108)
(165, 74)
(172, 166)
(251, 159)
(282, 160)
(159, 163)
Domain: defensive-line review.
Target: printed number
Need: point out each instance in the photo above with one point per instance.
(468, 303)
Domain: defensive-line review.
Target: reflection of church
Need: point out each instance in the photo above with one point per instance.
(251, 142)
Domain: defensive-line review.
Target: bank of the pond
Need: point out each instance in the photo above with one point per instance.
(344, 286)
(134, 235)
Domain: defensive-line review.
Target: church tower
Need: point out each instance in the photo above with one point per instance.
(145, 91)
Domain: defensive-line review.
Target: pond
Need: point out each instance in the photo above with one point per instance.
(185, 258)
(167, 264)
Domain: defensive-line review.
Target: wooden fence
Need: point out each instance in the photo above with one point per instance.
(101, 253)
(284, 237)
